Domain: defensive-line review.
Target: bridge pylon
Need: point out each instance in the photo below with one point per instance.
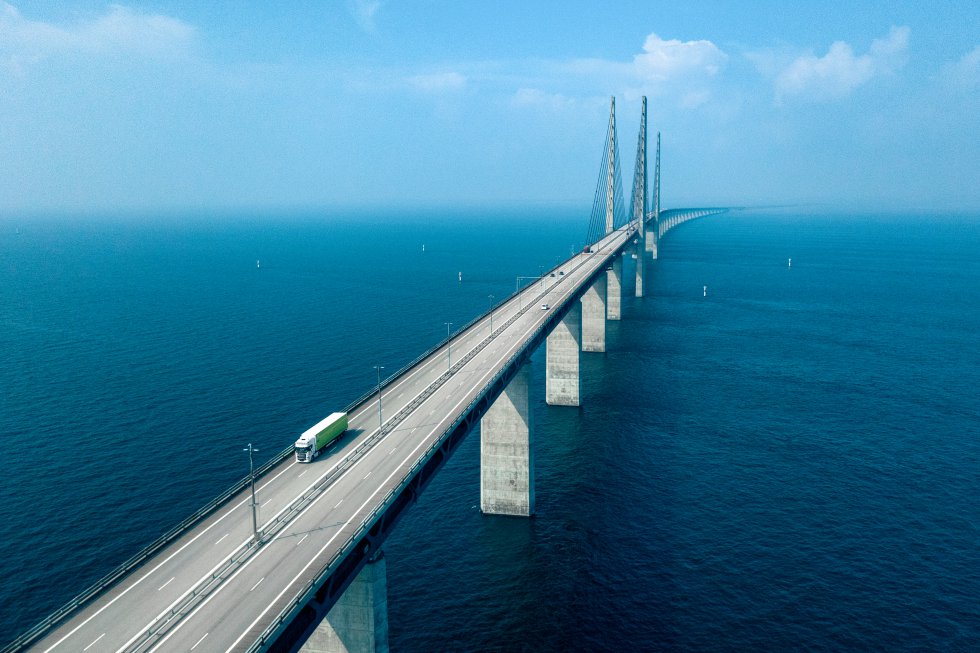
(640, 198)
(653, 234)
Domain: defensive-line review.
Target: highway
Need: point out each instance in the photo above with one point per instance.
(212, 589)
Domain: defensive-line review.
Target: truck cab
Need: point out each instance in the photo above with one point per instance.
(305, 449)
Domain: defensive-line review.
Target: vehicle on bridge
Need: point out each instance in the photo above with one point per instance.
(315, 438)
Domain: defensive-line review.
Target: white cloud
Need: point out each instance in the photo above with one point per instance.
(364, 12)
(965, 73)
(121, 31)
(536, 98)
(664, 60)
(438, 82)
(839, 72)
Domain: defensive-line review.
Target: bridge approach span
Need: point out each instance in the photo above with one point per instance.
(212, 588)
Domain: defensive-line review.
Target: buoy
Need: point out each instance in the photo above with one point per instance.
(705, 291)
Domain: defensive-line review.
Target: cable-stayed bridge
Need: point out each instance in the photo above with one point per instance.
(305, 572)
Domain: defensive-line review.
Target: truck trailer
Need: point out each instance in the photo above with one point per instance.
(315, 438)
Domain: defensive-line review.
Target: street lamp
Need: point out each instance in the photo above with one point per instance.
(449, 345)
(520, 291)
(379, 368)
(491, 298)
(251, 473)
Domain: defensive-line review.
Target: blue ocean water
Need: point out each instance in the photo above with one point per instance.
(790, 462)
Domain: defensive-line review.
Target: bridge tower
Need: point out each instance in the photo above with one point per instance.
(613, 291)
(653, 234)
(611, 168)
(640, 197)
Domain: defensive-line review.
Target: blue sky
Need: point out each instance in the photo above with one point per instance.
(189, 106)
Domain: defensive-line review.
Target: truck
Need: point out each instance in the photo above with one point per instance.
(314, 439)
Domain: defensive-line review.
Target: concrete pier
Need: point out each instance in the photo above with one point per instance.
(641, 261)
(614, 290)
(594, 317)
(563, 385)
(652, 242)
(506, 452)
(358, 622)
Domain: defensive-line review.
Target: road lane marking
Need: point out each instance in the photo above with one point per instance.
(367, 475)
(221, 538)
(301, 475)
(165, 584)
(94, 643)
(257, 584)
(199, 641)
(338, 503)
(312, 558)
(302, 538)
(230, 511)
(393, 451)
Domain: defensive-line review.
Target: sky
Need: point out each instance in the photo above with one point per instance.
(186, 105)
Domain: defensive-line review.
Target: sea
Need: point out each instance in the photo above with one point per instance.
(779, 450)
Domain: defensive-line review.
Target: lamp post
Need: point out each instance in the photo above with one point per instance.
(251, 473)
(449, 345)
(379, 368)
(491, 298)
(520, 291)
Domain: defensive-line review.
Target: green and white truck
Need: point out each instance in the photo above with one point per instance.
(315, 438)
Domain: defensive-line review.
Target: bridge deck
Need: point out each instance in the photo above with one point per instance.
(212, 590)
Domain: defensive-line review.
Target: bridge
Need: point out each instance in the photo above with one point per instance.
(290, 558)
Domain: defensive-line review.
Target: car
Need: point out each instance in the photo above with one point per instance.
(552, 274)
(561, 273)
(544, 307)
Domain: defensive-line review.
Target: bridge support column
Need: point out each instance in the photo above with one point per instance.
(506, 451)
(641, 260)
(358, 622)
(652, 242)
(614, 290)
(594, 317)
(563, 385)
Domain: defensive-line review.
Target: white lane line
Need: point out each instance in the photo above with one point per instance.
(221, 538)
(338, 503)
(199, 641)
(93, 643)
(257, 584)
(230, 511)
(165, 584)
(301, 475)
(302, 538)
(367, 475)
(393, 451)
(312, 558)
(207, 576)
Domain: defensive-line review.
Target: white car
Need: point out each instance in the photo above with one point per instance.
(544, 307)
